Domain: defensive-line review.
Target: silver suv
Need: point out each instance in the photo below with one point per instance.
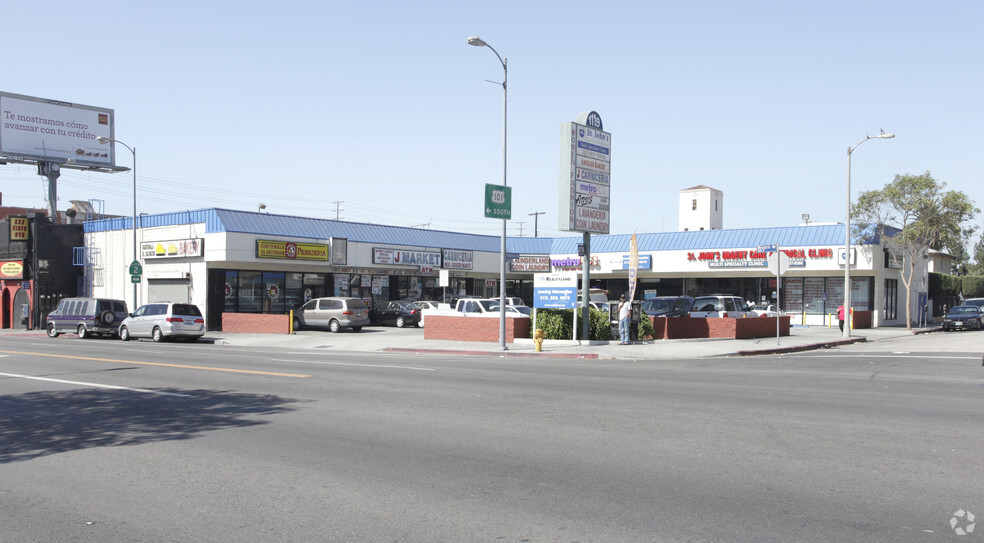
(86, 317)
(164, 320)
(722, 305)
(332, 313)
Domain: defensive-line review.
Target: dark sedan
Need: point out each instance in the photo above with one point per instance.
(398, 313)
(667, 306)
(963, 317)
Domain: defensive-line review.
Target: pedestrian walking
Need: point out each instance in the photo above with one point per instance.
(840, 317)
(623, 320)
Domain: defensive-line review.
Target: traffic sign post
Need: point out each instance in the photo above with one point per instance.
(778, 264)
(135, 268)
(134, 278)
(498, 202)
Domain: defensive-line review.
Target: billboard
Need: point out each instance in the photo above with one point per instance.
(42, 130)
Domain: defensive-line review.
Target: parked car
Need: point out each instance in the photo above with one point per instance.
(86, 317)
(765, 310)
(427, 306)
(454, 299)
(397, 313)
(719, 305)
(979, 302)
(524, 310)
(668, 306)
(514, 301)
(333, 313)
(162, 321)
(963, 317)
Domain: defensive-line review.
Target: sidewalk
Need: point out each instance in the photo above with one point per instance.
(411, 340)
(391, 340)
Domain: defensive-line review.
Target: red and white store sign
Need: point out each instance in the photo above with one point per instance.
(752, 255)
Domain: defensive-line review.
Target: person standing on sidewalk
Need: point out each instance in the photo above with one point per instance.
(840, 317)
(623, 320)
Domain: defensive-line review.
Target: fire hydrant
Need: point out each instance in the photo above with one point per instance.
(538, 339)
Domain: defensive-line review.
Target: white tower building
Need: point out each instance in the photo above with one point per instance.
(701, 208)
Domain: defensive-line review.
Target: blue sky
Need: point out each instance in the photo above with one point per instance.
(384, 107)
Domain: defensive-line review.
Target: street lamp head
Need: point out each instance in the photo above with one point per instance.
(885, 136)
(476, 41)
(103, 139)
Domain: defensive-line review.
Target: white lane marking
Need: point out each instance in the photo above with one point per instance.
(353, 364)
(921, 357)
(96, 385)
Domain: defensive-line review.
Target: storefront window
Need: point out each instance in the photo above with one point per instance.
(231, 291)
(835, 294)
(792, 288)
(891, 299)
(860, 293)
(813, 291)
(273, 292)
(250, 292)
(342, 284)
(293, 292)
(314, 285)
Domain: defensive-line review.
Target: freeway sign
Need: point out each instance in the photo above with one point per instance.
(498, 201)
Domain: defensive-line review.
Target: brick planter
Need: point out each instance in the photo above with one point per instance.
(750, 327)
(474, 328)
(256, 323)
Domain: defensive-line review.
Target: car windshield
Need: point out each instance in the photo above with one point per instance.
(964, 310)
(659, 305)
(490, 305)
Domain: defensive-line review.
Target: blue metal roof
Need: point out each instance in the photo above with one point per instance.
(269, 224)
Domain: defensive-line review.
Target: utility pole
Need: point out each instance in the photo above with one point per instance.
(521, 223)
(338, 210)
(536, 220)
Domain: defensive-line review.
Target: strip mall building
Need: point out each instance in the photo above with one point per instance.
(247, 262)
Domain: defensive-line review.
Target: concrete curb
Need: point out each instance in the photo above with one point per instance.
(800, 348)
(511, 354)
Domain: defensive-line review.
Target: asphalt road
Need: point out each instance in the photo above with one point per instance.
(213, 443)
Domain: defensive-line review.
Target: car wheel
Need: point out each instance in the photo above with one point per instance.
(158, 334)
(52, 332)
(107, 317)
(334, 326)
(125, 334)
(83, 332)
(399, 322)
(297, 323)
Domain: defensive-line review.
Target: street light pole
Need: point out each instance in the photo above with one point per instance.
(133, 150)
(478, 42)
(847, 235)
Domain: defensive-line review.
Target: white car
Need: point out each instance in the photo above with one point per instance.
(766, 310)
(427, 306)
(523, 310)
